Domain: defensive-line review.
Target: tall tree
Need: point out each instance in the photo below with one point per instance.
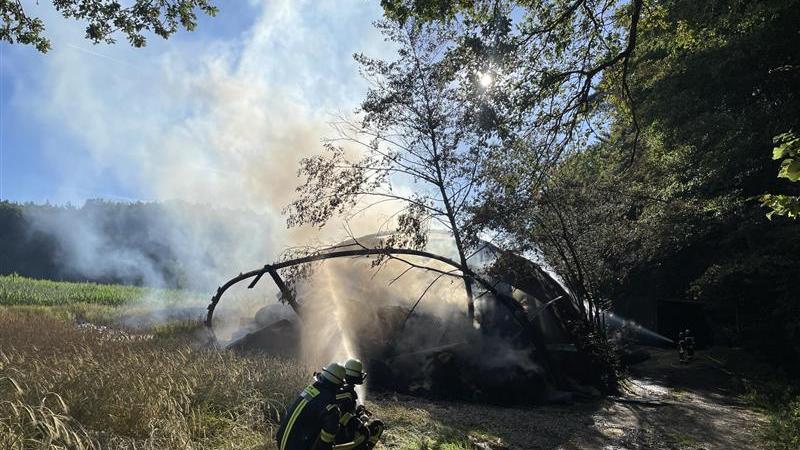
(416, 150)
(545, 70)
(104, 18)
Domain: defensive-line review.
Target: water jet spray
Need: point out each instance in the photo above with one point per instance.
(347, 345)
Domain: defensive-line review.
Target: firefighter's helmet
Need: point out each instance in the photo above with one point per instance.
(333, 372)
(354, 371)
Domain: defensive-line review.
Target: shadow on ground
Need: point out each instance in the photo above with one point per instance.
(667, 406)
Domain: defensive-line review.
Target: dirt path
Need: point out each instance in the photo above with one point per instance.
(667, 406)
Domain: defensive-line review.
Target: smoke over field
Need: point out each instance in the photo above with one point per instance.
(173, 244)
(212, 132)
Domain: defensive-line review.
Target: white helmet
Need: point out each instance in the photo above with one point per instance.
(333, 372)
(354, 371)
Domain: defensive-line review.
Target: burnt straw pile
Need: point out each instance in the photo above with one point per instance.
(411, 329)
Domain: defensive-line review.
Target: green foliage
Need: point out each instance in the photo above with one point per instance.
(707, 126)
(782, 205)
(783, 432)
(684, 213)
(18, 27)
(788, 149)
(402, 10)
(104, 18)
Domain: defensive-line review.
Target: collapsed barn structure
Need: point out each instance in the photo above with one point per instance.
(402, 312)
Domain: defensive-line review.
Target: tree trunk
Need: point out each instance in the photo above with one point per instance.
(467, 281)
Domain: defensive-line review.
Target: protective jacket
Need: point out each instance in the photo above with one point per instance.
(312, 421)
(356, 430)
(347, 401)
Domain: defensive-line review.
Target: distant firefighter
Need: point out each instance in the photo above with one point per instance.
(312, 421)
(357, 430)
(689, 345)
(682, 347)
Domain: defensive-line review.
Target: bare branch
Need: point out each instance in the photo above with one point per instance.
(414, 307)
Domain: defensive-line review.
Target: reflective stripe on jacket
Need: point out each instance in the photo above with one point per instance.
(347, 400)
(312, 419)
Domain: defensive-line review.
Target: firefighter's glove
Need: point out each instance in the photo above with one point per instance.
(364, 430)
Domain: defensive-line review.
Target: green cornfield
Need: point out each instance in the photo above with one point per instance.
(18, 290)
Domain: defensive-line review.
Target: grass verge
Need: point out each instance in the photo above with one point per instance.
(773, 392)
(779, 398)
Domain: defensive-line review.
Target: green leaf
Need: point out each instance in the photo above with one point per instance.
(786, 145)
(790, 168)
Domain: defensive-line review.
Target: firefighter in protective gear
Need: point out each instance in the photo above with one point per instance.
(689, 340)
(356, 429)
(312, 421)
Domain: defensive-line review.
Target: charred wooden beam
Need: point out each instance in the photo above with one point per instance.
(286, 293)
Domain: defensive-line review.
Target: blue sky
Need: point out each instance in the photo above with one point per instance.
(219, 115)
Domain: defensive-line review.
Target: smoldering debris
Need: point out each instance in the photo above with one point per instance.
(350, 309)
(472, 365)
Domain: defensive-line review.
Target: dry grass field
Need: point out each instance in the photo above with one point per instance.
(67, 384)
(71, 388)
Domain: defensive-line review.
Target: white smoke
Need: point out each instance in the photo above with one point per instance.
(215, 119)
(224, 122)
(219, 121)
